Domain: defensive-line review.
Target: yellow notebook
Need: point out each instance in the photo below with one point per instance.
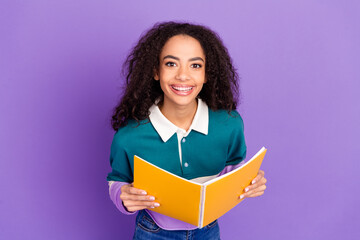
(191, 202)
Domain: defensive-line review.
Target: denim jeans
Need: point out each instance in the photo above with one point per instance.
(147, 229)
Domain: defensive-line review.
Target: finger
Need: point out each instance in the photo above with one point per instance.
(143, 204)
(261, 182)
(257, 194)
(260, 175)
(134, 197)
(253, 193)
(258, 189)
(132, 190)
(136, 208)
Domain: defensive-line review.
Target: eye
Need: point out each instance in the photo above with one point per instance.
(195, 65)
(170, 64)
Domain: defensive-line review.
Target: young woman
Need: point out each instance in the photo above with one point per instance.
(179, 113)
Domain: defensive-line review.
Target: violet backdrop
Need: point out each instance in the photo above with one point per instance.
(60, 64)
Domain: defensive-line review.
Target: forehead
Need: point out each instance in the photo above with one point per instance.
(183, 45)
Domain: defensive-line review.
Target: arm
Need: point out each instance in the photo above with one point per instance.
(237, 152)
(125, 197)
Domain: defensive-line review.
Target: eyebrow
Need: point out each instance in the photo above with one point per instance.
(178, 59)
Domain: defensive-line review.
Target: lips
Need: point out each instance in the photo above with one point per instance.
(182, 90)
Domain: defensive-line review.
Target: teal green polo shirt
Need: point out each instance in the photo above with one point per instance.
(214, 140)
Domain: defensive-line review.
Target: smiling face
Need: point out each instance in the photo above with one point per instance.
(181, 72)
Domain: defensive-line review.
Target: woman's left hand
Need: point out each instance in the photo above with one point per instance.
(257, 186)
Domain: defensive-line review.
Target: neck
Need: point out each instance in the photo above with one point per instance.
(180, 116)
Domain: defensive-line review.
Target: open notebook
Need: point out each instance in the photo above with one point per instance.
(192, 202)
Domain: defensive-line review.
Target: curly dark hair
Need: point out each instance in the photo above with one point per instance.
(141, 92)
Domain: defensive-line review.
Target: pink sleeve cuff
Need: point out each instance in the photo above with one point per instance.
(115, 191)
(229, 168)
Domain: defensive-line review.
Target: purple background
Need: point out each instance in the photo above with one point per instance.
(60, 65)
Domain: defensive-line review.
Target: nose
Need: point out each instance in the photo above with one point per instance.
(182, 74)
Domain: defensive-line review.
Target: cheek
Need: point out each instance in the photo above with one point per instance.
(163, 86)
(200, 75)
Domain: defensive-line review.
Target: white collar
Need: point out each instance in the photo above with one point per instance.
(166, 129)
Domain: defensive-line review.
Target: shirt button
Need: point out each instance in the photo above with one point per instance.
(183, 140)
(186, 164)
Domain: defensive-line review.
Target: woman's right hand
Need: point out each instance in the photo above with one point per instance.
(135, 199)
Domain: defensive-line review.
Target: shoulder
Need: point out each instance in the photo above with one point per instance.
(228, 129)
(131, 131)
(231, 120)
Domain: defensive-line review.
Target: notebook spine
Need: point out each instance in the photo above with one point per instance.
(202, 207)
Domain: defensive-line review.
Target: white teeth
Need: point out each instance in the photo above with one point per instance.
(184, 89)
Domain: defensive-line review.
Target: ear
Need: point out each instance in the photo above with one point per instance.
(156, 75)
